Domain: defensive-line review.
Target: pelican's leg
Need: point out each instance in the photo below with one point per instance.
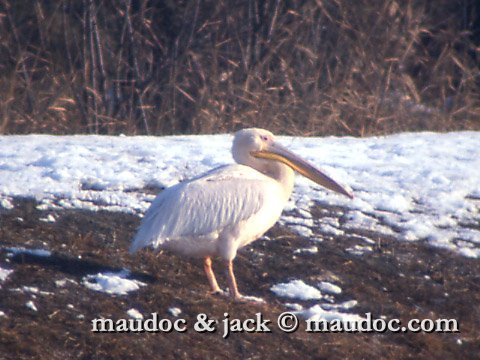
(207, 266)
(232, 283)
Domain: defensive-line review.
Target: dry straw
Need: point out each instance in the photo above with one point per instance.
(302, 67)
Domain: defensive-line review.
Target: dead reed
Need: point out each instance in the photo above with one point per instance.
(301, 67)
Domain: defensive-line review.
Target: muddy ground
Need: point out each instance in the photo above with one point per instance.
(396, 280)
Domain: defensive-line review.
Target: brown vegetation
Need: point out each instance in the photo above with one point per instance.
(296, 67)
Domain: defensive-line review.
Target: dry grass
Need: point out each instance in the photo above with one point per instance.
(307, 67)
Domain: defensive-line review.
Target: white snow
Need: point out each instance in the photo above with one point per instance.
(414, 186)
(31, 289)
(175, 311)
(34, 290)
(251, 298)
(316, 312)
(31, 305)
(112, 283)
(49, 219)
(21, 250)
(296, 289)
(329, 288)
(310, 250)
(359, 249)
(4, 273)
(346, 305)
(6, 204)
(135, 314)
(63, 282)
(294, 306)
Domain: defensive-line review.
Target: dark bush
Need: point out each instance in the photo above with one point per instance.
(296, 67)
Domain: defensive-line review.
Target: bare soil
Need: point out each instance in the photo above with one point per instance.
(397, 280)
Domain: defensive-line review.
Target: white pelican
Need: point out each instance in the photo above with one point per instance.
(227, 208)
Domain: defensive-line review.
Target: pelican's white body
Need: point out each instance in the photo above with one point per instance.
(214, 214)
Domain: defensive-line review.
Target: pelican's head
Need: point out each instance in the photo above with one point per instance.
(252, 145)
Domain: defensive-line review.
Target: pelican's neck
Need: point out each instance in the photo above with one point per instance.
(276, 170)
(283, 174)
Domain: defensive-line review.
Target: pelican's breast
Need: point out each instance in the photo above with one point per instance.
(270, 211)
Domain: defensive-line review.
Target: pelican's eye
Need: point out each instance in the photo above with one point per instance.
(264, 137)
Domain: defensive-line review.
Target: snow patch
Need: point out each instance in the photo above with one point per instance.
(4, 273)
(112, 283)
(329, 288)
(296, 289)
(175, 311)
(316, 312)
(21, 250)
(310, 250)
(31, 305)
(6, 203)
(135, 314)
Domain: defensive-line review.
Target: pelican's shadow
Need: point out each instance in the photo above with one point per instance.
(73, 266)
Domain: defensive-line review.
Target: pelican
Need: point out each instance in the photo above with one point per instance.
(225, 209)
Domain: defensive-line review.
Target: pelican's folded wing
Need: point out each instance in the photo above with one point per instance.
(202, 206)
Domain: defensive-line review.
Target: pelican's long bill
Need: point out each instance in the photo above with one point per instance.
(277, 152)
